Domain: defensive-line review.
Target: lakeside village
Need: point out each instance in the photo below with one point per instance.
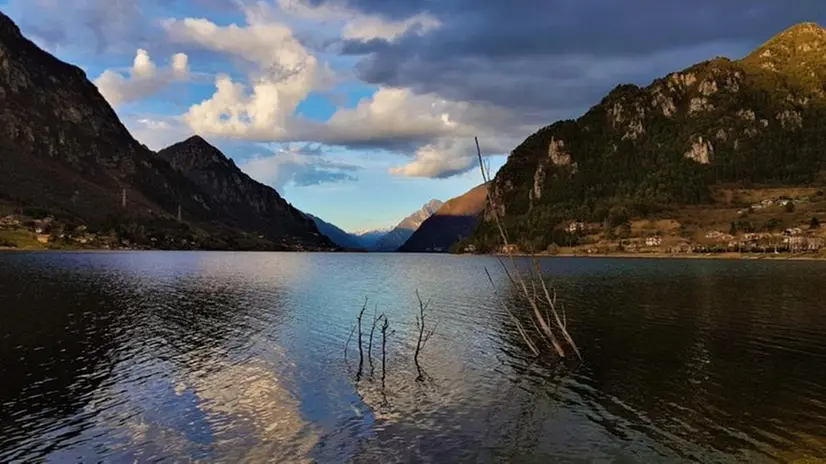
(22, 231)
(671, 237)
(655, 236)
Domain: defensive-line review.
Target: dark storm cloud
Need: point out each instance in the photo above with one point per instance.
(539, 55)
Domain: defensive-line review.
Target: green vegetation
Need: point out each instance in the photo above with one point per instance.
(21, 239)
(650, 152)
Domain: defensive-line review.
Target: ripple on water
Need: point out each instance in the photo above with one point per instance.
(239, 357)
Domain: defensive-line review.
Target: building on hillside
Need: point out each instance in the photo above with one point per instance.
(509, 249)
(719, 236)
(575, 227)
(653, 241)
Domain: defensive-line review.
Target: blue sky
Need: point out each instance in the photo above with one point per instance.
(361, 111)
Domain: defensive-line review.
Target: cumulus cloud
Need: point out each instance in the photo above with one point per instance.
(446, 157)
(300, 165)
(283, 74)
(144, 79)
(390, 116)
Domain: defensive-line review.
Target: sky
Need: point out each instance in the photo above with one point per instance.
(361, 111)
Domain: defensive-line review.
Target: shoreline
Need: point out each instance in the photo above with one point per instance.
(731, 256)
(711, 256)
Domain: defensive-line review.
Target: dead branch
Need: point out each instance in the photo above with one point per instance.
(370, 342)
(361, 350)
(347, 345)
(424, 334)
(384, 327)
(545, 321)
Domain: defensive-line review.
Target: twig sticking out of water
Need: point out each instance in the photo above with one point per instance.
(361, 350)
(424, 334)
(546, 323)
(370, 342)
(347, 345)
(384, 327)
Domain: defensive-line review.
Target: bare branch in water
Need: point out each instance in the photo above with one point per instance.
(384, 327)
(347, 345)
(361, 349)
(424, 334)
(545, 321)
(370, 342)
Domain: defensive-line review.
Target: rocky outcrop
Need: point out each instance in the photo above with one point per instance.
(700, 151)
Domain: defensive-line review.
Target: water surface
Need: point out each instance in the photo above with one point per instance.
(176, 356)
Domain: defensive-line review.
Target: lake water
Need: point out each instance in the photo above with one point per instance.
(183, 356)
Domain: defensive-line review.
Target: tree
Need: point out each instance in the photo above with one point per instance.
(733, 229)
(814, 223)
(789, 208)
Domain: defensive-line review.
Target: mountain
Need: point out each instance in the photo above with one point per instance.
(338, 236)
(641, 152)
(65, 156)
(250, 205)
(399, 234)
(369, 238)
(454, 221)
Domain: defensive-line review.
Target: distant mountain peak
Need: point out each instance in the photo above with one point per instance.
(433, 204)
(396, 237)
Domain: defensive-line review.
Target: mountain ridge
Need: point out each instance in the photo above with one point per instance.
(641, 150)
(253, 205)
(66, 155)
(452, 222)
(394, 239)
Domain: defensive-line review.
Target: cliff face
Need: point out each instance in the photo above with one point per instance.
(396, 237)
(761, 120)
(64, 152)
(454, 221)
(249, 204)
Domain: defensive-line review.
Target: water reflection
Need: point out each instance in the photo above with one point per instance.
(239, 357)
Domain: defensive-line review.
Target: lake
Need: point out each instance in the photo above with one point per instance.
(195, 356)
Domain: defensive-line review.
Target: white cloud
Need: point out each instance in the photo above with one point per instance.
(389, 114)
(144, 79)
(451, 156)
(283, 74)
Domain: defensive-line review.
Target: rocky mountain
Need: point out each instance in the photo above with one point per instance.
(65, 154)
(249, 204)
(455, 220)
(339, 237)
(754, 121)
(396, 237)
